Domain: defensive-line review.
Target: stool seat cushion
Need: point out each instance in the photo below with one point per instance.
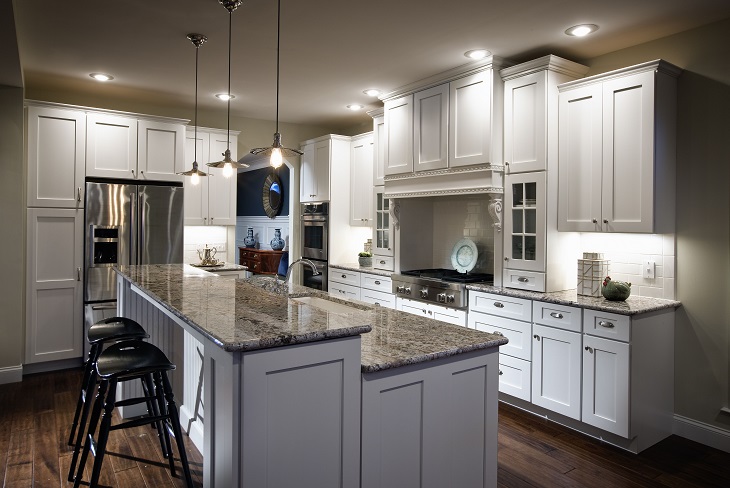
(131, 358)
(114, 329)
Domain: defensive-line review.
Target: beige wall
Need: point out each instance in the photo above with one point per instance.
(12, 223)
(703, 212)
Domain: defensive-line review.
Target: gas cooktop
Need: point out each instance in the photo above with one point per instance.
(443, 286)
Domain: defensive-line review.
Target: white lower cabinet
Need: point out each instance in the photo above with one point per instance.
(515, 376)
(54, 322)
(369, 288)
(377, 298)
(436, 312)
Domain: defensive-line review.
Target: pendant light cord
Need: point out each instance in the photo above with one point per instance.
(278, 42)
(195, 151)
(228, 131)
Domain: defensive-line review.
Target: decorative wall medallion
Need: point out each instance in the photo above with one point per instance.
(272, 195)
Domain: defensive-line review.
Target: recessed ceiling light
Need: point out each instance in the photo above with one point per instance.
(225, 96)
(355, 107)
(477, 54)
(372, 92)
(581, 30)
(101, 77)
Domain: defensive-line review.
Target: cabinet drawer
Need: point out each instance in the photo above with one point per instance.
(554, 315)
(519, 333)
(345, 291)
(523, 280)
(377, 298)
(500, 305)
(450, 315)
(375, 282)
(383, 262)
(608, 325)
(345, 277)
(514, 376)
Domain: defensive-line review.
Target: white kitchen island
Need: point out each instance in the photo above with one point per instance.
(303, 389)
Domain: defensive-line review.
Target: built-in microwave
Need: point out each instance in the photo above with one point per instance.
(315, 228)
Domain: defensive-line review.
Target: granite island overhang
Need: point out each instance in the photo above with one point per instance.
(286, 366)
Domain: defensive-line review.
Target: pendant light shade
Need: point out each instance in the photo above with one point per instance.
(227, 163)
(276, 151)
(195, 173)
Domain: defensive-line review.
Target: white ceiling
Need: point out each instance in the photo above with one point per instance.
(331, 49)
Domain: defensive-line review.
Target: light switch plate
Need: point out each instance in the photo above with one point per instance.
(648, 269)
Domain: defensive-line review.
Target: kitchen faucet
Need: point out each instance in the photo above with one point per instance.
(302, 260)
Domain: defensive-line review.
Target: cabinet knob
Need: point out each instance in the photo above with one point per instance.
(605, 221)
(382, 261)
(344, 276)
(430, 313)
(522, 279)
(506, 259)
(500, 372)
(377, 282)
(606, 324)
(424, 311)
(506, 166)
(537, 337)
(595, 221)
(132, 172)
(499, 304)
(141, 172)
(211, 220)
(589, 349)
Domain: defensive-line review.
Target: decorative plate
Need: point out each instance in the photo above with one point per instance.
(464, 255)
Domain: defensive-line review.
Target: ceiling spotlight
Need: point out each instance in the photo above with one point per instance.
(101, 77)
(372, 92)
(355, 107)
(225, 96)
(581, 30)
(477, 54)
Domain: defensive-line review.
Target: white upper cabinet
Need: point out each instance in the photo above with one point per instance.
(120, 146)
(379, 149)
(618, 150)
(213, 200)
(471, 129)
(315, 171)
(398, 138)
(56, 161)
(430, 128)
(525, 119)
(361, 174)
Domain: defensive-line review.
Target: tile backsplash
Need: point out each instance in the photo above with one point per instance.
(627, 252)
(197, 237)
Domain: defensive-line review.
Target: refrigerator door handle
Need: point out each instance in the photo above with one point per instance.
(133, 228)
(141, 243)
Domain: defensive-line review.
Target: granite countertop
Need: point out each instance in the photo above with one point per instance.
(632, 306)
(244, 315)
(362, 269)
(235, 314)
(225, 266)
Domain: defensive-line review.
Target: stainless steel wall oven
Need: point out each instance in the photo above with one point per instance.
(315, 234)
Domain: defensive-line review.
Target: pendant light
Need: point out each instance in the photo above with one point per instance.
(227, 163)
(195, 173)
(277, 152)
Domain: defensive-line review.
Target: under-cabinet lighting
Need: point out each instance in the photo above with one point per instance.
(581, 30)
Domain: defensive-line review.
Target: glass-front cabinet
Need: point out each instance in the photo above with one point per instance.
(382, 228)
(524, 202)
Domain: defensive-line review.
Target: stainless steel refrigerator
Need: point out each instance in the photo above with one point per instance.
(127, 223)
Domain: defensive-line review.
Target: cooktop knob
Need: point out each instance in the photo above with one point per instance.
(408, 290)
(401, 289)
(441, 297)
(424, 293)
(450, 298)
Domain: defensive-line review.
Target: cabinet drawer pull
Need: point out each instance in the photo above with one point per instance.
(78, 274)
(556, 315)
(496, 332)
(377, 282)
(522, 279)
(382, 261)
(589, 349)
(499, 304)
(424, 311)
(430, 313)
(606, 324)
(536, 337)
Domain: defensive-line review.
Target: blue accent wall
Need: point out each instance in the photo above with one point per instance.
(250, 185)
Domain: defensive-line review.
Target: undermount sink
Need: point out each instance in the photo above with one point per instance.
(329, 306)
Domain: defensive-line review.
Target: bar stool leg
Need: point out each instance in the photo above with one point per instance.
(154, 407)
(95, 414)
(87, 386)
(175, 421)
(106, 422)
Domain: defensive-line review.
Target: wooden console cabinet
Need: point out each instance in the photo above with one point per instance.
(260, 261)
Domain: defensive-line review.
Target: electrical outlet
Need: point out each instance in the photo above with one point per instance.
(648, 269)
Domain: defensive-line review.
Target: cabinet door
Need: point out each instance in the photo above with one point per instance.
(556, 370)
(606, 384)
(470, 124)
(111, 146)
(161, 150)
(307, 182)
(379, 150)
(628, 154)
(196, 196)
(430, 128)
(525, 129)
(398, 115)
(54, 327)
(322, 152)
(221, 190)
(56, 162)
(361, 173)
(382, 226)
(579, 159)
(525, 220)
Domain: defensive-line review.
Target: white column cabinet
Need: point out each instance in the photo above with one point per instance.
(618, 151)
(525, 123)
(315, 171)
(525, 221)
(383, 232)
(379, 149)
(430, 128)
(54, 323)
(56, 157)
(361, 174)
(398, 138)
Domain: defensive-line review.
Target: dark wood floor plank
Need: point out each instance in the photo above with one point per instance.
(522, 465)
(507, 479)
(541, 458)
(45, 450)
(154, 470)
(129, 478)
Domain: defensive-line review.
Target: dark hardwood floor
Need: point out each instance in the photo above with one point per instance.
(35, 416)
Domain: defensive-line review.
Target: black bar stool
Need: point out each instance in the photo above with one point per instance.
(106, 331)
(124, 361)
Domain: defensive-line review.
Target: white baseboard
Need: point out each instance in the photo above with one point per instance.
(701, 432)
(194, 428)
(11, 374)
